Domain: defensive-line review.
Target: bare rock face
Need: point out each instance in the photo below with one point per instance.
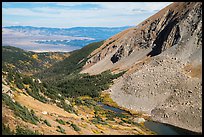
(163, 60)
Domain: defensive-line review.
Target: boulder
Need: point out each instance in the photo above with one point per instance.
(139, 120)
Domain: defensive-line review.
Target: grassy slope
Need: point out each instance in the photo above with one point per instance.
(28, 62)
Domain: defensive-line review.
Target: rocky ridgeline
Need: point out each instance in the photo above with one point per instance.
(168, 28)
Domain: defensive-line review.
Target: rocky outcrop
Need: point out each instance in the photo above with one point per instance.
(163, 59)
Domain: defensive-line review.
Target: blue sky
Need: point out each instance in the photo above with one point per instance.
(74, 14)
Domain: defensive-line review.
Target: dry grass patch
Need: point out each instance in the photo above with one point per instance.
(108, 100)
(99, 126)
(95, 131)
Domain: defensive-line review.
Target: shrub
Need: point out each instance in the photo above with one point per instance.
(6, 130)
(25, 131)
(33, 115)
(20, 111)
(75, 127)
(66, 107)
(68, 122)
(27, 80)
(98, 120)
(60, 129)
(10, 77)
(60, 121)
(111, 115)
(19, 85)
(78, 101)
(37, 96)
(47, 123)
(120, 115)
(121, 123)
(97, 108)
(126, 121)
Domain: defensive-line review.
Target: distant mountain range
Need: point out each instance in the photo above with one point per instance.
(61, 39)
(98, 33)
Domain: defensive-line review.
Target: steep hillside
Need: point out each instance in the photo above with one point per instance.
(29, 62)
(167, 29)
(163, 59)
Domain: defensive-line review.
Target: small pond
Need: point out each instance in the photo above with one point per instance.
(159, 128)
(166, 129)
(116, 110)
